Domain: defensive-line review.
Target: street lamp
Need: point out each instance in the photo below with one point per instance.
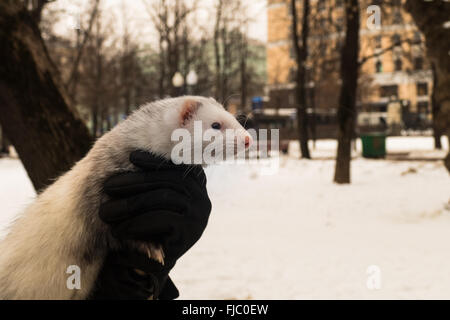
(191, 80)
(177, 81)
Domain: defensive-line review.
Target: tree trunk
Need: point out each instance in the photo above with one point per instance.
(226, 67)
(72, 83)
(301, 55)
(313, 118)
(95, 121)
(217, 51)
(435, 112)
(243, 72)
(48, 136)
(127, 99)
(162, 65)
(347, 98)
(430, 17)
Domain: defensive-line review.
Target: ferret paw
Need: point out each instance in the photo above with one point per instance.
(153, 251)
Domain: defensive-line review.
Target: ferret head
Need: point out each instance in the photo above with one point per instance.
(194, 125)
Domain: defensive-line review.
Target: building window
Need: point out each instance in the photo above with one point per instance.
(310, 93)
(397, 17)
(340, 24)
(320, 5)
(292, 74)
(418, 63)
(337, 46)
(389, 91)
(422, 89)
(322, 48)
(378, 42)
(378, 66)
(398, 64)
(291, 52)
(396, 40)
(417, 38)
(291, 99)
(322, 21)
(422, 107)
(308, 74)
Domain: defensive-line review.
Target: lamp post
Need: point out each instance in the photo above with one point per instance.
(177, 81)
(191, 80)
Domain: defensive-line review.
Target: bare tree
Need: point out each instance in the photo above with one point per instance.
(301, 54)
(435, 110)
(72, 81)
(217, 57)
(129, 74)
(48, 136)
(243, 56)
(35, 8)
(431, 18)
(322, 78)
(169, 18)
(100, 83)
(232, 52)
(347, 97)
(184, 45)
(223, 43)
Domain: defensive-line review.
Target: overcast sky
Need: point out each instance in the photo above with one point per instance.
(138, 16)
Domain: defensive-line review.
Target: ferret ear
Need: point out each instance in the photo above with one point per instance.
(188, 110)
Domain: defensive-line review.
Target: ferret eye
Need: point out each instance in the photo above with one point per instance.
(216, 125)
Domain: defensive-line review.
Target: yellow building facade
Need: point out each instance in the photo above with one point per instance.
(395, 66)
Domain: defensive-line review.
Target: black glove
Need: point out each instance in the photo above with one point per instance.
(166, 204)
(119, 280)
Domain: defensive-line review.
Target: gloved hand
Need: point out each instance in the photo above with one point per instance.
(119, 280)
(165, 204)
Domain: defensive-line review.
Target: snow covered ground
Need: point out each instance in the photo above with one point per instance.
(296, 235)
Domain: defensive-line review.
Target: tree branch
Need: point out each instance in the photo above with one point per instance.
(36, 9)
(70, 85)
(387, 49)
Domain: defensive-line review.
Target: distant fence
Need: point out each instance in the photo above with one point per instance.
(327, 128)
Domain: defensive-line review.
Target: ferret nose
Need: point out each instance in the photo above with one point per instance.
(248, 141)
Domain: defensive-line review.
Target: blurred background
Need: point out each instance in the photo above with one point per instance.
(358, 204)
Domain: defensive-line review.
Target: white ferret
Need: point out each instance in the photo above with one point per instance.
(62, 228)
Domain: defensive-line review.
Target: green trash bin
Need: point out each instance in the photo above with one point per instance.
(374, 145)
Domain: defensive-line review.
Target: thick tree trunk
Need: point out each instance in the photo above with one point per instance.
(431, 18)
(347, 98)
(47, 134)
(435, 112)
(301, 55)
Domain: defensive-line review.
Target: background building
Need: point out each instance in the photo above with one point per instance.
(395, 77)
